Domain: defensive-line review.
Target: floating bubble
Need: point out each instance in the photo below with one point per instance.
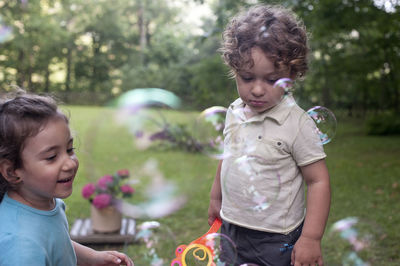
(223, 249)
(253, 176)
(208, 131)
(212, 249)
(141, 111)
(161, 197)
(239, 142)
(355, 239)
(286, 84)
(5, 32)
(325, 122)
(152, 97)
(155, 237)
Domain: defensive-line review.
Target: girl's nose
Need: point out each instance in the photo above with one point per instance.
(71, 162)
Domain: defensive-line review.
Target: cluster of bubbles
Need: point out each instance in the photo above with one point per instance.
(142, 110)
(358, 236)
(154, 235)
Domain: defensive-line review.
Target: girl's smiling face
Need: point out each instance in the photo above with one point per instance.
(49, 166)
(256, 84)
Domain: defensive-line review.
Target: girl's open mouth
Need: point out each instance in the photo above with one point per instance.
(64, 180)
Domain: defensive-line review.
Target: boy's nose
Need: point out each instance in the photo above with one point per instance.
(258, 89)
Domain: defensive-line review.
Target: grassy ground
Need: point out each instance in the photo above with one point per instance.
(365, 178)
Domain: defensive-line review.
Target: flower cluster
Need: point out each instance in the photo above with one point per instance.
(107, 188)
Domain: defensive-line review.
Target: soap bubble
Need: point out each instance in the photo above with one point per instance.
(354, 241)
(161, 196)
(141, 110)
(222, 247)
(157, 239)
(254, 176)
(239, 140)
(211, 249)
(325, 122)
(5, 32)
(208, 131)
(286, 84)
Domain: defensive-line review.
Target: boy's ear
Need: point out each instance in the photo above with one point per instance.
(8, 172)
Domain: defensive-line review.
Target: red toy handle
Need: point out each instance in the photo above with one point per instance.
(213, 229)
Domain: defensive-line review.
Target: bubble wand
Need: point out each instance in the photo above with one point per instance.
(200, 246)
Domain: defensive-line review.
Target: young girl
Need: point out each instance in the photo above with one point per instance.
(37, 168)
(261, 46)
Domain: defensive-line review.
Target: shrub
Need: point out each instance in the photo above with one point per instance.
(386, 123)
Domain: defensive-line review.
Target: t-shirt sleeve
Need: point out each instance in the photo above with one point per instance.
(21, 251)
(307, 147)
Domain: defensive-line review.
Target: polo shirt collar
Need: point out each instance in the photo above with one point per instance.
(279, 113)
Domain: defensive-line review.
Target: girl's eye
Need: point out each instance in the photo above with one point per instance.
(71, 150)
(272, 81)
(51, 158)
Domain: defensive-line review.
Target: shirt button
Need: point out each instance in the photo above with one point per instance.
(279, 143)
(259, 137)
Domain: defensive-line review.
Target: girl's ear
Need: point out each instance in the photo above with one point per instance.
(8, 172)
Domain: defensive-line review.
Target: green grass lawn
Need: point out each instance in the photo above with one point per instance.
(364, 170)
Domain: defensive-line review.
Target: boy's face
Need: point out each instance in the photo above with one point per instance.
(49, 165)
(256, 84)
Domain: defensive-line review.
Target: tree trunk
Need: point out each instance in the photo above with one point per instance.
(142, 31)
(47, 79)
(20, 69)
(69, 68)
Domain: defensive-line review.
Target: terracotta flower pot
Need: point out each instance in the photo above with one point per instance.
(105, 220)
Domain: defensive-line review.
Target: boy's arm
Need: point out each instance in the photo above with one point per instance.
(307, 250)
(87, 256)
(215, 197)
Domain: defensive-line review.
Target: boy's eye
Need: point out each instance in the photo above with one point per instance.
(246, 78)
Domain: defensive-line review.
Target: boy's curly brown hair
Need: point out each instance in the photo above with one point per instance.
(276, 30)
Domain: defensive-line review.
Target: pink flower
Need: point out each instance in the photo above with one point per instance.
(127, 190)
(123, 173)
(102, 201)
(105, 181)
(88, 190)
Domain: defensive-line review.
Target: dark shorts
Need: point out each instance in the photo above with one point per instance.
(257, 247)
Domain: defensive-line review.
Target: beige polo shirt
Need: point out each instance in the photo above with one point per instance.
(261, 182)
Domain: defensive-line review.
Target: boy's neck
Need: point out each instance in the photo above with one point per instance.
(44, 205)
(248, 113)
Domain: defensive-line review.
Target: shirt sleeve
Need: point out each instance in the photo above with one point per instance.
(307, 147)
(21, 251)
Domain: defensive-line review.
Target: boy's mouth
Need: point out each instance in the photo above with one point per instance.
(66, 180)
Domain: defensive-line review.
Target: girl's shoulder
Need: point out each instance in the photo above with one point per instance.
(20, 250)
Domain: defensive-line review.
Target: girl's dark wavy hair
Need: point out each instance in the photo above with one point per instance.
(274, 29)
(22, 115)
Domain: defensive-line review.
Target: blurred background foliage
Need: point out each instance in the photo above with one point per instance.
(90, 51)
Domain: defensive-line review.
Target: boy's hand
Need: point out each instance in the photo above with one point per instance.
(213, 210)
(307, 251)
(109, 258)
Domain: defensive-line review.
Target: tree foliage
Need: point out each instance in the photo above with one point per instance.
(88, 52)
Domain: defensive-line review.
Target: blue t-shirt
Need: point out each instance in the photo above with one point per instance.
(34, 237)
